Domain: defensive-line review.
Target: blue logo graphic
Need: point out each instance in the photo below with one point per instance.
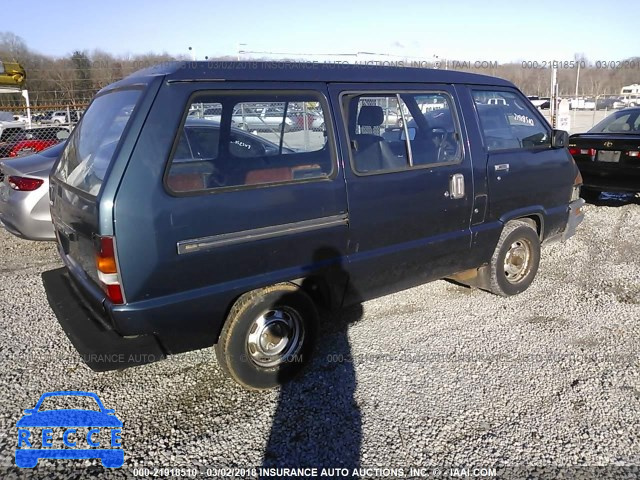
(102, 438)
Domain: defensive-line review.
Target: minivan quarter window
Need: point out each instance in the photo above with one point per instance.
(399, 131)
(508, 122)
(258, 138)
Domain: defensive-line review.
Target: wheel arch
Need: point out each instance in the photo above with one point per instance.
(533, 218)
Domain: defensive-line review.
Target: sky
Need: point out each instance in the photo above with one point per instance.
(503, 31)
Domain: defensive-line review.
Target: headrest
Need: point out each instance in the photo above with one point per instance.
(370, 116)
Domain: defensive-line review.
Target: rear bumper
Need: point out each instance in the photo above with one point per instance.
(576, 216)
(35, 230)
(610, 178)
(100, 347)
(26, 214)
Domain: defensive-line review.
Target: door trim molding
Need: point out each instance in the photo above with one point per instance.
(263, 233)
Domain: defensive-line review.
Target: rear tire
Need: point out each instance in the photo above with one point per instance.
(515, 260)
(268, 336)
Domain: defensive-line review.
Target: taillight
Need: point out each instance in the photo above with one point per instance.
(583, 151)
(24, 184)
(633, 153)
(108, 270)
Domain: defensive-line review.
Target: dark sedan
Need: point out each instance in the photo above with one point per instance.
(608, 155)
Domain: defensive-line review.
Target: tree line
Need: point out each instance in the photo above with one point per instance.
(74, 79)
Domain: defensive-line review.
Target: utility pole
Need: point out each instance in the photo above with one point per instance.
(554, 96)
(240, 49)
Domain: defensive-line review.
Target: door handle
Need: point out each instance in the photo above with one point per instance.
(502, 167)
(456, 186)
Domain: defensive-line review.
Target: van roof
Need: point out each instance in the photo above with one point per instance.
(302, 72)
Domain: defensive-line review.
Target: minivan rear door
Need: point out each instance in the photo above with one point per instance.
(78, 178)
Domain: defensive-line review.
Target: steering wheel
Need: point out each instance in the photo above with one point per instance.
(447, 146)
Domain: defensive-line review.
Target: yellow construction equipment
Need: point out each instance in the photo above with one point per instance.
(12, 74)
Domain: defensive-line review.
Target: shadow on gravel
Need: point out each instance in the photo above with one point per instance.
(317, 423)
(611, 199)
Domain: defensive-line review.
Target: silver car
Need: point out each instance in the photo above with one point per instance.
(24, 194)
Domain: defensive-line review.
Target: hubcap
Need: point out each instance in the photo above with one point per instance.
(274, 337)
(517, 261)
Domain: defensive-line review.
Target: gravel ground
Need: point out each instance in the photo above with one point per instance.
(439, 376)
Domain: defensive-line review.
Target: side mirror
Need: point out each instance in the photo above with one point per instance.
(559, 139)
(30, 411)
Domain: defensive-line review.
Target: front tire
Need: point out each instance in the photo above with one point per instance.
(515, 260)
(268, 336)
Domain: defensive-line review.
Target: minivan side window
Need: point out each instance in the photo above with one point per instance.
(232, 140)
(507, 122)
(399, 131)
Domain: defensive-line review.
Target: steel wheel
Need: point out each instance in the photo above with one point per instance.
(268, 336)
(517, 261)
(274, 337)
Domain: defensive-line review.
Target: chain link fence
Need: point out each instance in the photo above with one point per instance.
(18, 137)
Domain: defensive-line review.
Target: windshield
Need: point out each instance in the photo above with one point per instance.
(90, 148)
(624, 121)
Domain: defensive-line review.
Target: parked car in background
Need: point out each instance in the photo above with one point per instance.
(608, 103)
(32, 140)
(262, 118)
(24, 194)
(44, 117)
(9, 127)
(314, 120)
(608, 155)
(619, 103)
(61, 117)
(582, 103)
(210, 113)
(543, 103)
(630, 100)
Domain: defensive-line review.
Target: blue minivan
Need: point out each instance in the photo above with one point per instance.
(180, 229)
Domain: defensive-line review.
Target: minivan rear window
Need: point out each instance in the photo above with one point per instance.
(92, 144)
